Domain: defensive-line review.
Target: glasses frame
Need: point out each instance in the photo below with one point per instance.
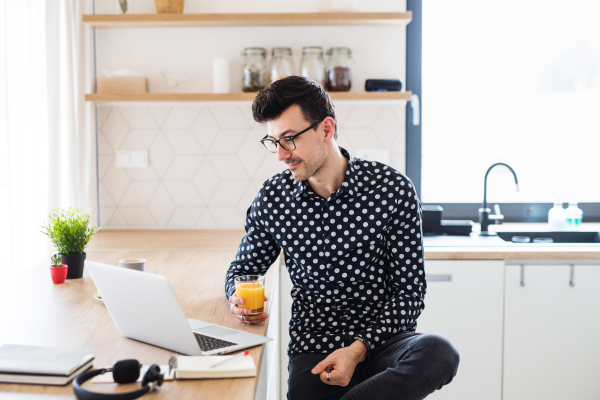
(293, 138)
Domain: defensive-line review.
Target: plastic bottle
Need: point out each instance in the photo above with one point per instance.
(557, 216)
(574, 216)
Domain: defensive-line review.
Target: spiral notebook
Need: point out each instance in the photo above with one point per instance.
(199, 367)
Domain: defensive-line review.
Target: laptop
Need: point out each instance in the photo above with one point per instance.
(144, 307)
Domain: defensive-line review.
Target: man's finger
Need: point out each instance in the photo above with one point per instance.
(321, 366)
(233, 299)
(239, 311)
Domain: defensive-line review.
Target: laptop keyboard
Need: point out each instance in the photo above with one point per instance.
(208, 343)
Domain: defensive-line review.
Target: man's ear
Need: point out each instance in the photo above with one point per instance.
(328, 129)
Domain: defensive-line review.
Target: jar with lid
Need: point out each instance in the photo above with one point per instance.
(312, 65)
(282, 64)
(255, 70)
(339, 63)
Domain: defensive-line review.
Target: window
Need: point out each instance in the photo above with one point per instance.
(515, 82)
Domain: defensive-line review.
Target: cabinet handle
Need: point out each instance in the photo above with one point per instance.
(439, 278)
(572, 276)
(522, 275)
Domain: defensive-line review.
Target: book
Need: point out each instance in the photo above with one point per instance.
(198, 367)
(43, 365)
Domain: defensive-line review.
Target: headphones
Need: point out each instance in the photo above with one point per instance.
(124, 371)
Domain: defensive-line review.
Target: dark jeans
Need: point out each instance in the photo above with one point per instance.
(409, 366)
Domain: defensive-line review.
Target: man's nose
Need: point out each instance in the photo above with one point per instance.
(282, 153)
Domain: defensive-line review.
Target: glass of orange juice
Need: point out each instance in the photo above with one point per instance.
(251, 288)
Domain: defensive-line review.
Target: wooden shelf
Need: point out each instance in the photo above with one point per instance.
(176, 97)
(259, 19)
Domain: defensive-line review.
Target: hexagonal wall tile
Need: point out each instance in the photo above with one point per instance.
(387, 127)
(160, 155)
(115, 128)
(246, 111)
(117, 220)
(206, 221)
(143, 174)
(362, 138)
(116, 181)
(229, 116)
(246, 199)
(139, 139)
(106, 213)
(104, 163)
(138, 117)
(103, 146)
(183, 168)
(183, 194)
(260, 131)
(269, 167)
(183, 141)
(105, 197)
(228, 193)
(228, 217)
(161, 206)
(205, 128)
(159, 113)
(228, 167)
(138, 217)
(206, 180)
(138, 194)
(185, 217)
(181, 117)
(363, 116)
(103, 111)
(228, 141)
(342, 112)
(252, 154)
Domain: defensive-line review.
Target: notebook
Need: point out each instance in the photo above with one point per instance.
(198, 367)
(42, 365)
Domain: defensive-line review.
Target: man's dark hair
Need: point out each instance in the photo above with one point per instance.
(313, 100)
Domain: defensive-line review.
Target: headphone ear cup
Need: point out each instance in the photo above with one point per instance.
(153, 375)
(126, 371)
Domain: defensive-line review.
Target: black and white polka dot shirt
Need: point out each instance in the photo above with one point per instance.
(355, 259)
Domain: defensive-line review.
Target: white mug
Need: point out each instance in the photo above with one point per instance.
(138, 264)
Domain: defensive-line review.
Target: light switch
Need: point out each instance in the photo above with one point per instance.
(131, 159)
(381, 155)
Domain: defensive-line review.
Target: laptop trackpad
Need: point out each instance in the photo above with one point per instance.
(218, 331)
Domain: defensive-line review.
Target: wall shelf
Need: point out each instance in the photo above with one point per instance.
(182, 97)
(258, 19)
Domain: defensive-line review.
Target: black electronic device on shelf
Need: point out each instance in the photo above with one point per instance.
(383, 85)
(433, 224)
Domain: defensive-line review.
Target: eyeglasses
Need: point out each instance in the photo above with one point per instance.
(287, 142)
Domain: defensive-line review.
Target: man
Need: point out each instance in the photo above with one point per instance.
(351, 234)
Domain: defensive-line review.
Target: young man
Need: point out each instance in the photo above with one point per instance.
(351, 234)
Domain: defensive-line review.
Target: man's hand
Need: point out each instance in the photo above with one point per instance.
(242, 313)
(341, 364)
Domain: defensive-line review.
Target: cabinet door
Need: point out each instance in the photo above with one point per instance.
(464, 304)
(552, 332)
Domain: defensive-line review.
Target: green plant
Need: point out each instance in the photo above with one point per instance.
(123, 5)
(69, 231)
(56, 260)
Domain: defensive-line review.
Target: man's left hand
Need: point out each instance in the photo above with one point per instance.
(341, 364)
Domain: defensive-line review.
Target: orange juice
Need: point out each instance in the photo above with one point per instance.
(253, 294)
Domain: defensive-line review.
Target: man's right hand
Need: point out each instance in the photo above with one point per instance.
(242, 313)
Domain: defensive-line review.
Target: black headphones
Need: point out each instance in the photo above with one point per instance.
(124, 371)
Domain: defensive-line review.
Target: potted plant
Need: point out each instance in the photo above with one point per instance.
(58, 271)
(70, 233)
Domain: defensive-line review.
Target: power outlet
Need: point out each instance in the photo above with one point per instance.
(381, 155)
(131, 159)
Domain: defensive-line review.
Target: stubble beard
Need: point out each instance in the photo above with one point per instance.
(309, 168)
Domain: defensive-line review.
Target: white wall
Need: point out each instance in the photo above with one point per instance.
(206, 164)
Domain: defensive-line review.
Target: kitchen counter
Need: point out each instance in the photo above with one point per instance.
(472, 247)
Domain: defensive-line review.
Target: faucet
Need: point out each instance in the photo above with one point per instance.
(484, 211)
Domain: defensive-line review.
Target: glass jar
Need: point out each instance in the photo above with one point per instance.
(312, 65)
(339, 77)
(282, 64)
(255, 71)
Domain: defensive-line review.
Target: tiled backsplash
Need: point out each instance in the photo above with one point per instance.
(205, 162)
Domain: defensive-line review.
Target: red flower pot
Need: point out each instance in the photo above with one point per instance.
(59, 274)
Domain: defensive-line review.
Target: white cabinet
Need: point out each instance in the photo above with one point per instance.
(552, 332)
(464, 304)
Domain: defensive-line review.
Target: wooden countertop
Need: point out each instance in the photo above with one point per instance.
(43, 314)
(471, 247)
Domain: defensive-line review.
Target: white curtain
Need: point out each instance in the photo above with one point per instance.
(47, 136)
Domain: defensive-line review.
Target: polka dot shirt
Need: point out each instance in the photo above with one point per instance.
(355, 259)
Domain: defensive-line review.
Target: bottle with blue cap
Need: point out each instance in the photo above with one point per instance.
(574, 216)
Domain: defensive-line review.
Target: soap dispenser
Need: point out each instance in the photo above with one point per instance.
(574, 216)
(557, 216)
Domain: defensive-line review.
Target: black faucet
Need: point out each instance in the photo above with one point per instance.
(484, 211)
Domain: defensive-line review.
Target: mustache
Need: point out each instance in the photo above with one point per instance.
(292, 161)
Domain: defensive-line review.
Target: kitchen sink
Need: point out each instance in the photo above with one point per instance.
(550, 237)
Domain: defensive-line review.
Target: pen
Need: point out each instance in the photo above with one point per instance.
(238, 356)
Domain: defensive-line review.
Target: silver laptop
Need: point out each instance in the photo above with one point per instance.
(144, 307)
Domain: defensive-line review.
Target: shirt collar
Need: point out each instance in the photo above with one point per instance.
(348, 185)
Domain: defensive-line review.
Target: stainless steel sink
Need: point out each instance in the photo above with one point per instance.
(550, 237)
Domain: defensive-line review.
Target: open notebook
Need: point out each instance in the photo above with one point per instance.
(197, 367)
